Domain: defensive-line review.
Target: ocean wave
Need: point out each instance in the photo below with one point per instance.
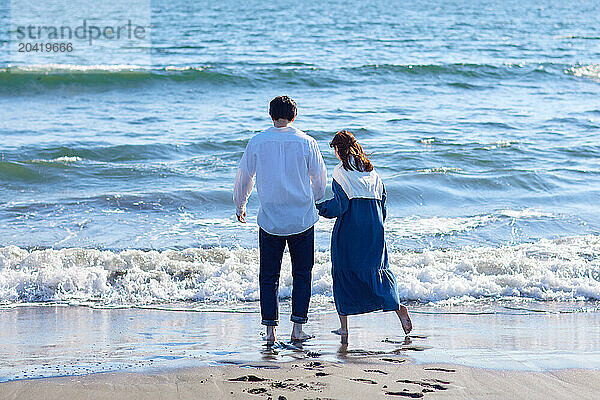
(16, 171)
(42, 78)
(467, 70)
(70, 162)
(561, 269)
(45, 77)
(233, 145)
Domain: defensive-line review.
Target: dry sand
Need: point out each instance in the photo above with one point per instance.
(369, 378)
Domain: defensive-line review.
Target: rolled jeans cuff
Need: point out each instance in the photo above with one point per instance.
(270, 322)
(299, 320)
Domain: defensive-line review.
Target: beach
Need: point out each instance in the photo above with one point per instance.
(370, 378)
(124, 272)
(521, 352)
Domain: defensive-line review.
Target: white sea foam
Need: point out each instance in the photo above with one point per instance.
(500, 144)
(54, 68)
(561, 269)
(74, 68)
(61, 160)
(587, 71)
(526, 213)
(184, 68)
(438, 170)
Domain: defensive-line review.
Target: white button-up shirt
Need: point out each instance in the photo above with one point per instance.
(290, 177)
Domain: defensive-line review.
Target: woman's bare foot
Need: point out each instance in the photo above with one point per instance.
(271, 336)
(404, 319)
(298, 334)
(343, 330)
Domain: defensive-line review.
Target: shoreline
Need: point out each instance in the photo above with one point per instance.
(372, 377)
(79, 341)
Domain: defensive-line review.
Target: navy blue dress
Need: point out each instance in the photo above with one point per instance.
(362, 280)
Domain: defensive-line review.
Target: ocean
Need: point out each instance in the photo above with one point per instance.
(480, 116)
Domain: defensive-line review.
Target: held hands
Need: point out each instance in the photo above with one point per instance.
(242, 218)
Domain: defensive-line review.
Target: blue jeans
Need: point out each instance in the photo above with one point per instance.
(302, 253)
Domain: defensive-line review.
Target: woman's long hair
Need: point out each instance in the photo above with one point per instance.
(351, 153)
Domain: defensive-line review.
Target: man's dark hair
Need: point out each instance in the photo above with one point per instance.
(283, 107)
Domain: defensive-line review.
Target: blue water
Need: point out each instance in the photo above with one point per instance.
(481, 117)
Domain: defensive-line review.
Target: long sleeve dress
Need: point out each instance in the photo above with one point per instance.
(362, 279)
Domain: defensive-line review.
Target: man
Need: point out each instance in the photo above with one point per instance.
(290, 177)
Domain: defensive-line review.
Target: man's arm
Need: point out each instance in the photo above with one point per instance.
(317, 171)
(244, 182)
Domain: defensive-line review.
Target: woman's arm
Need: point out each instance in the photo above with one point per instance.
(337, 206)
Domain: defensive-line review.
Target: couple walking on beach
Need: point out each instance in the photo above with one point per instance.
(290, 177)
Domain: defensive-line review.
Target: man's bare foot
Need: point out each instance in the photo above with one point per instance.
(404, 319)
(298, 334)
(301, 338)
(341, 332)
(271, 336)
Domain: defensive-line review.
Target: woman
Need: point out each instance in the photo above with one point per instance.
(362, 279)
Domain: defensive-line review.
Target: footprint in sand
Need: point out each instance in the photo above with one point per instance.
(260, 366)
(314, 365)
(427, 385)
(393, 360)
(248, 378)
(359, 352)
(290, 385)
(414, 395)
(257, 391)
(411, 348)
(369, 381)
(378, 371)
(437, 380)
(440, 369)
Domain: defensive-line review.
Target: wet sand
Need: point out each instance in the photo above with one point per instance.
(505, 352)
(389, 377)
(71, 340)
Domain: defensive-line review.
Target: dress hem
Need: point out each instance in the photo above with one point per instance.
(367, 310)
